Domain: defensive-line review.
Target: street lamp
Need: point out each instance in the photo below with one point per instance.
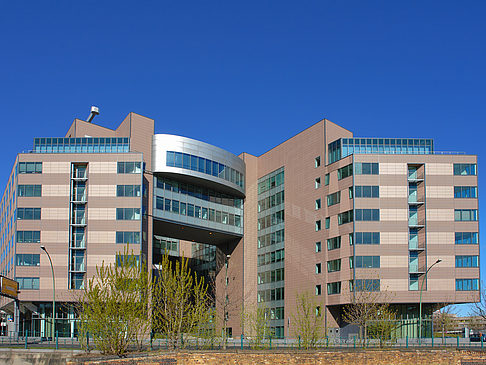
(420, 305)
(225, 306)
(43, 248)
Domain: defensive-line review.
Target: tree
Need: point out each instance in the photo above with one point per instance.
(256, 321)
(479, 307)
(309, 325)
(444, 319)
(114, 306)
(383, 326)
(181, 303)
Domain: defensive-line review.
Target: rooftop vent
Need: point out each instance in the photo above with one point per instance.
(94, 112)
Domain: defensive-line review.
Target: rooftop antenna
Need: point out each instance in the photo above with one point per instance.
(94, 112)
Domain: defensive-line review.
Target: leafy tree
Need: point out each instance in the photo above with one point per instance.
(383, 326)
(114, 306)
(181, 304)
(256, 321)
(309, 325)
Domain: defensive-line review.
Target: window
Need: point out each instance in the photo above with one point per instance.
(413, 283)
(350, 192)
(29, 190)
(326, 179)
(370, 285)
(334, 243)
(367, 238)
(318, 268)
(467, 261)
(333, 199)
(28, 283)
(318, 290)
(30, 167)
(129, 167)
(27, 259)
(318, 247)
(367, 262)
(317, 161)
(367, 215)
(128, 259)
(463, 238)
(317, 182)
(29, 213)
(334, 265)
(128, 190)
(351, 239)
(327, 222)
(366, 168)
(464, 169)
(334, 288)
(467, 284)
(465, 192)
(318, 311)
(28, 236)
(318, 225)
(318, 204)
(464, 215)
(128, 237)
(367, 191)
(127, 214)
(351, 262)
(345, 217)
(345, 171)
(77, 281)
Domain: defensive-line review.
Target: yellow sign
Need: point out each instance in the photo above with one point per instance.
(9, 287)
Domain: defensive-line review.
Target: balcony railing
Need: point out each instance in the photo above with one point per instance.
(415, 245)
(415, 222)
(415, 176)
(415, 268)
(415, 199)
(79, 220)
(78, 267)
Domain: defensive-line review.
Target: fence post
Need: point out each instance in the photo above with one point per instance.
(299, 342)
(327, 341)
(270, 342)
(354, 341)
(242, 341)
(151, 339)
(406, 342)
(432, 340)
(457, 341)
(481, 335)
(87, 341)
(57, 340)
(26, 333)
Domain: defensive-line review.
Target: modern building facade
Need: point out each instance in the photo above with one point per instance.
(323, 212)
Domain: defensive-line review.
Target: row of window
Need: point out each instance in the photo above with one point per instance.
(29, 190)
(367, 215)
(29, 213)
(28, 283)
(467, 261)
(199, 192)
(462, 238)
(271, 220)
(128, 190)
(27, 259)
(465, 192)
(270, 295)
(367, 238)
(271, 238)
(271, 257)
(271, 182)
(196, 211)
(467, 284)
(127, 214)
(129, 167)
(204, 165)
(367, 191)
(465, 169)
(28, 236)
(364, 262)
(271, 276)
(465, 215)
(30, 167)
(128, 237)
(271, 201)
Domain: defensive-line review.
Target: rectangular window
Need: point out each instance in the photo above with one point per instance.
(369, 285)
(367, 215)
(27, 259)
(128, 190)
(318, 225)
(413, 284)
(29, 213)
(317, 183)
(465, 238)
(346, 217)
(465, 169)
(467, 261)
(29, 190)
(465, 215)
(334, 243)
(317, 161)
(467, 284)
(334, 265)
(345, 172)
(128, 237)
(28, 283)
(328, 222)
(367, 262)
(326, 179)
(351, 239)
(334, 288)
(30, 167)
(318, 247)
(28, 236)
(367, 191)
(129, 167)
(318, 268)
(333, 199)
(318, 290)
(465, 192)
(318, 204)
(366, 168)
(127, 214)
(367, 238)
(350, 192)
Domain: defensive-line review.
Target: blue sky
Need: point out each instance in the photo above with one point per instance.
(245, 75)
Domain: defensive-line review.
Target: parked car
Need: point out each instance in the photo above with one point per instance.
(476, 337)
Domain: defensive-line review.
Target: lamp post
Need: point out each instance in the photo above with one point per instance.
(225, 306)
(420, 305)
(43, 248)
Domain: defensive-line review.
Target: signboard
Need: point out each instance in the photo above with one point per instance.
(9, 287)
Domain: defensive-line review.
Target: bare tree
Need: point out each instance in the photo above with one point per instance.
(383, 326)
(479, 308)
(308, 319)
(443, 319)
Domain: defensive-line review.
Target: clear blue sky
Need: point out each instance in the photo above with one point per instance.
(245, 75)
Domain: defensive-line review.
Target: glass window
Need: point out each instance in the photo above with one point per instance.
(318, 204)
(334, 243)
(464, 215)
(318, 247)
(345, 172)
(465, 192)
(366, 168)
(467, 261)
(367, 262)
(29, 190)
(317, 161)
(334, 198)
(464, 169)
(318, 225)
(318, 290)
(318, 182)
(334, 265)
(371, 285)
(467, 284)
(466, 238)
(326, 179)
(346, 217)
(367, 191)
(367, 238)
(334, 288)
(30, 168)
(318, 268)
(367, 215)
(328, 222)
